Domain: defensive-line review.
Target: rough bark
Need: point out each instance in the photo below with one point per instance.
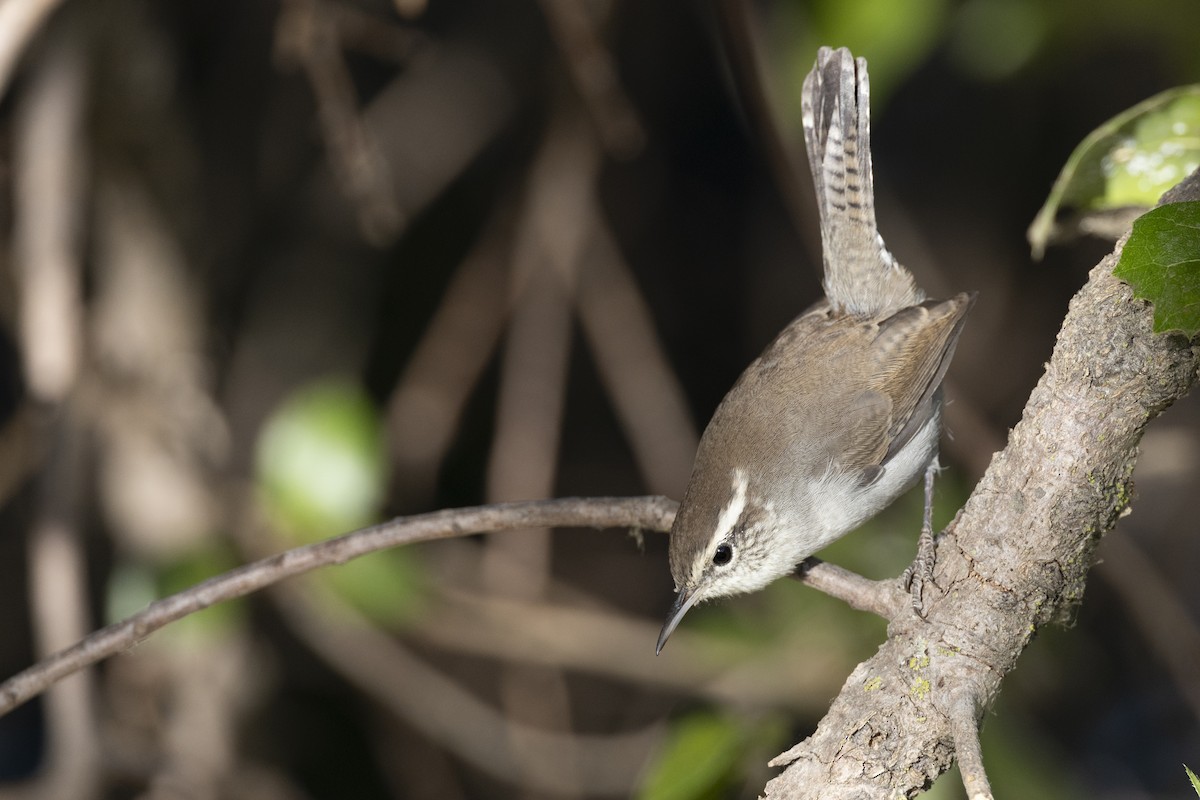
(1016, 557)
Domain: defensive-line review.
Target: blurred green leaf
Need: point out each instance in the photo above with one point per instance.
(1161, 261)
(321, 462)
(1128, 161)
(131, 587)
(698, 761)
(1192, 777)
(895, 36)
(388, 587)
(134, 586)
(992, 39)
(1163, 150)
(321, 467)
(197, 567)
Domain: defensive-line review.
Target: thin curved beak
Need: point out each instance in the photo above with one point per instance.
(684, 599)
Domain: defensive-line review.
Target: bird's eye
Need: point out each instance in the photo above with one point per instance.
(723, 555)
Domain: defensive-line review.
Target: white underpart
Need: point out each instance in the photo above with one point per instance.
(840, 504)
(827, 509)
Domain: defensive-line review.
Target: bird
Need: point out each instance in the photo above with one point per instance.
(841, 413)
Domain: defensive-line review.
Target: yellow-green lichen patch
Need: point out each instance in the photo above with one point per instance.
(920, 689)
(873, 684)
(918, 662)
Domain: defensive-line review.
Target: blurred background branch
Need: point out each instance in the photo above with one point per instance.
(20, 21)
(49, 187)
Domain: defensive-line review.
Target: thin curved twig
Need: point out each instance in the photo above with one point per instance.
(649, 513)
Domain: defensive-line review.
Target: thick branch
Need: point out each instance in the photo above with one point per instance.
(1015, 559)
(649, 513)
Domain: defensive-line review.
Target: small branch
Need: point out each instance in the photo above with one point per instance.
(964, 726)
(594, 73)
(307, 35)
(534, 363)
(883, 598)
(649, 513)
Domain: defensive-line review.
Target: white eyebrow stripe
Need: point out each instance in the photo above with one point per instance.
(733, 509)
(725, 522)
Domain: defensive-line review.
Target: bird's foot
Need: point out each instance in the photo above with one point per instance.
(920, 570)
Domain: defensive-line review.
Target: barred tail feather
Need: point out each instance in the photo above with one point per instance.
(861, 276)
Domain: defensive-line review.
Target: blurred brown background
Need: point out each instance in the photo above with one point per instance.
(272, 270)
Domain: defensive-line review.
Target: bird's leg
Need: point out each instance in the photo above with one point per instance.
(921, 570)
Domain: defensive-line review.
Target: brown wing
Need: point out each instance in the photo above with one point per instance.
(864, 447)
(912, 352)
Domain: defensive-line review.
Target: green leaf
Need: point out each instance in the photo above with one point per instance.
(1161, 261)
(1128, 161)
(1192, 777)
(321, 471)
(133, 586)
(1162, 150)
(389, 588)
(213, 623)
(895, 36)
(698, 760)
(993, 39)
(321, 462)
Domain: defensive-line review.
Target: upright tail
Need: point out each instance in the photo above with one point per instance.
(861, 276)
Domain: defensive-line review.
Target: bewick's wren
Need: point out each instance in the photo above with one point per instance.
(842, 412)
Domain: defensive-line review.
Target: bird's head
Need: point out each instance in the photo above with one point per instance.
(724, 541)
